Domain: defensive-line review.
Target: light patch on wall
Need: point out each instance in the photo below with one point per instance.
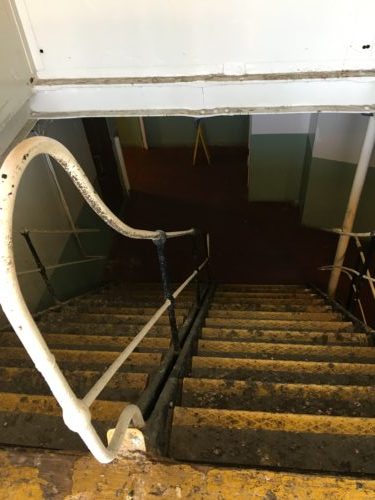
(294, 123)
(339, 137)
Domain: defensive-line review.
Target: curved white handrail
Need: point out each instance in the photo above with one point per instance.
(76, 412)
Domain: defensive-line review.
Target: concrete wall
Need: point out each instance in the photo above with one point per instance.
(99, 39)
(15, 74)
(334, 158)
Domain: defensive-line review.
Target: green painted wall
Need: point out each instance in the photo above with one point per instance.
(129, 131)
(277, 162)
(327, 195)
(173, 131)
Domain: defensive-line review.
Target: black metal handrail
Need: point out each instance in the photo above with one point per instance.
(160, 244)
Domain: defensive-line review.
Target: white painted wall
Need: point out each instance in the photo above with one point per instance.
(340, 137)
(123, 38)
(15, 74)
(293, 123)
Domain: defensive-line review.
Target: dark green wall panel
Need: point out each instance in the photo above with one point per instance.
(328, 192)
(277, 162)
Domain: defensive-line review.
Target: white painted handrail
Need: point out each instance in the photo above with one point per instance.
(76, 412)
(337, 230)
(348, 270)
(363, 258)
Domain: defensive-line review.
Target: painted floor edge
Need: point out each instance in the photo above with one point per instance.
(38, 475)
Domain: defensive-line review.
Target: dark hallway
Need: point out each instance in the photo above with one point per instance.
(254, 242)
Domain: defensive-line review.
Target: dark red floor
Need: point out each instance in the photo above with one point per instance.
(250, 242)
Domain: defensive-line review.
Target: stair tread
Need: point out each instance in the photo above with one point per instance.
(264, 294)
(240, 349)
(146, 312)
(267, 439)
(269, 315)
(284, 422)
(30, 381)
(60, 317)
(90, 342)
(247, 286)
(279, 397)
(226, 302)
(83, 357)
(287, 371)
(288, 365)
(114, 329)
(278, 324)
(25, 403)
(306, 337)
(241, 308)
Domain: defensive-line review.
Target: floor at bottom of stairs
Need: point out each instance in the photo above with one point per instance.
(61, 475)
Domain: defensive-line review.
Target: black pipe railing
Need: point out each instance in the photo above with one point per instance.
(160, 244)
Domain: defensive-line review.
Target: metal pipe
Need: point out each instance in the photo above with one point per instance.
(337, 230)
(163, 265)
(63, 264)
(143, 132)
(42, 269)
(60, 231)
(121, 162)
(351, 210)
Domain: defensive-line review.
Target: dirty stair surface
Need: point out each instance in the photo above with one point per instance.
(279, 380)
(85, 336)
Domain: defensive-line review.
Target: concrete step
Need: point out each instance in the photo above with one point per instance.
(264, 295)
(61, 317)
(243, 287)
(273, 324)
(130, 294)
(277, 315)
(115, 309)
(36, 421)
(353, 401)
(282, 371)
(285, 337)
(149, 304)
(243, 302)
(25, 468)
(84, 359)
(122, 387)
(117, 329)
(257, 350)
(91, 342)
(245, 308)
(264, 439)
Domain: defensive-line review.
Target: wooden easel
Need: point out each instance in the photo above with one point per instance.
(199, 137)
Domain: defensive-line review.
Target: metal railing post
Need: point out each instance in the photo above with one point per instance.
(40, 266)
(207, 247)
(160, 247)
(195, 237)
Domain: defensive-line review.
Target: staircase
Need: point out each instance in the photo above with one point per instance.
(280, 380)
(85, 336)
